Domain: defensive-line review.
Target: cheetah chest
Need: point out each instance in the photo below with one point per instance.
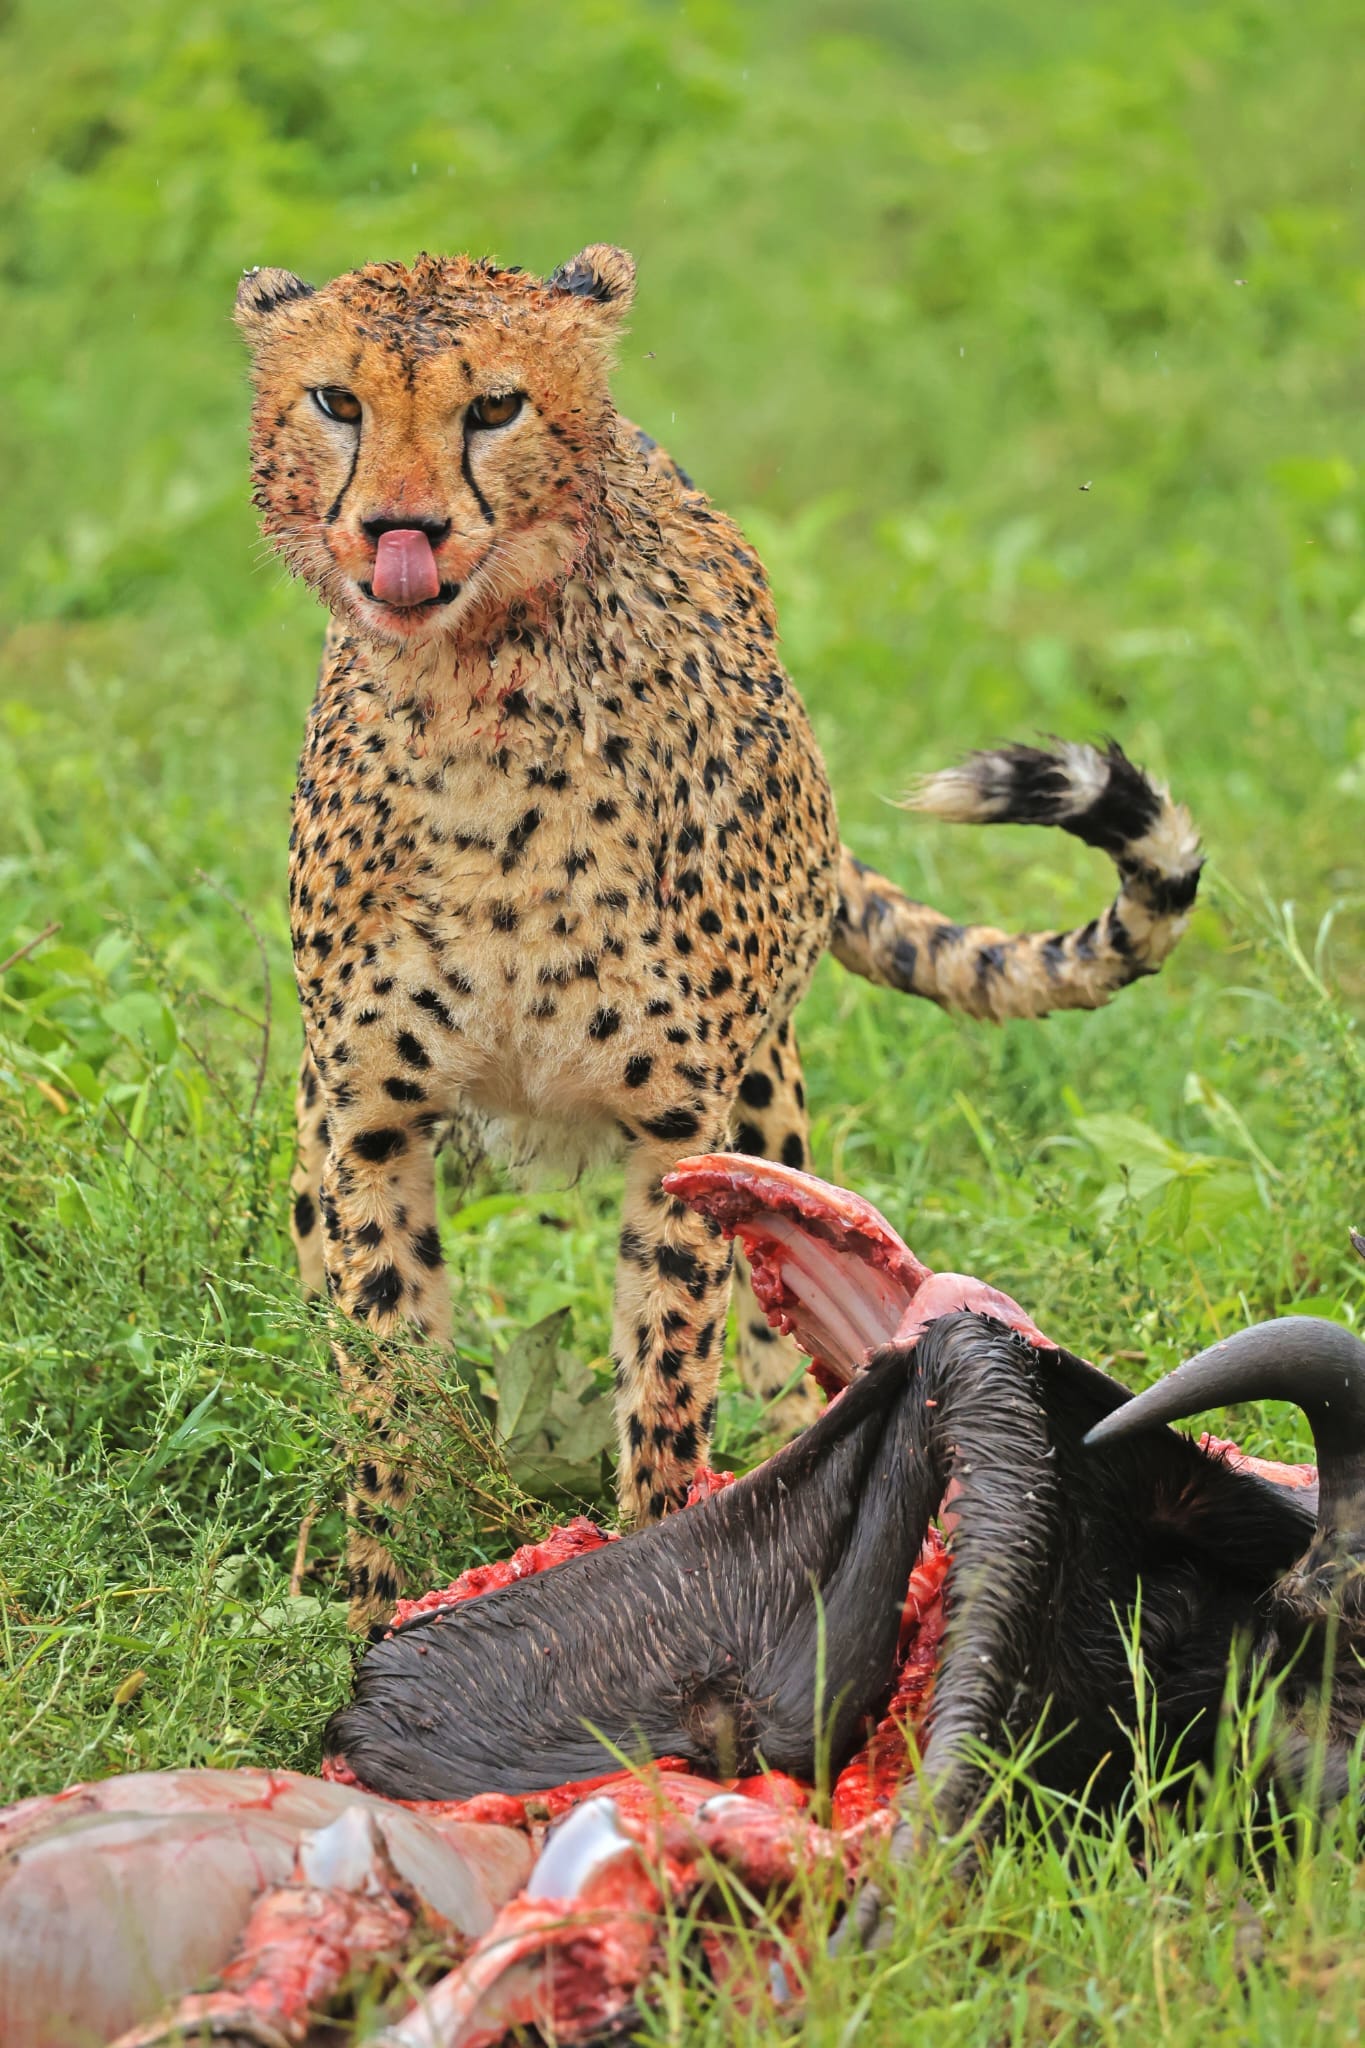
(511, 938)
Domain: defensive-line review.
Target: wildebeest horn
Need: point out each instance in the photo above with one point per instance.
(1319, 1365)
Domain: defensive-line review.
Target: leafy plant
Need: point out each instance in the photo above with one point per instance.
(554, 1414)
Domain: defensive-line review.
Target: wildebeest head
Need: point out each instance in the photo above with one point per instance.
(734, 1632)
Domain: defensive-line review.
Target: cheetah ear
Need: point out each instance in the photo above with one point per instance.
(603, 278)
(263, 292)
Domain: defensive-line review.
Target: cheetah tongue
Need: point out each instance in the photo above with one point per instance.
(405, 571)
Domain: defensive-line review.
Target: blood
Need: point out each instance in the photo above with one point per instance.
(1298, 1478)
(570, 1539)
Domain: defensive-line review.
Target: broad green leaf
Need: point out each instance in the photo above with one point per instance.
(526, 1375)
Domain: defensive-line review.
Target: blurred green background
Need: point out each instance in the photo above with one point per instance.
(1025, 342)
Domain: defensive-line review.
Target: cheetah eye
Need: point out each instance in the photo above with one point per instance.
(335, 404)
(496, 412)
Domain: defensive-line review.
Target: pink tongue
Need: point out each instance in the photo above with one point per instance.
(405, 570)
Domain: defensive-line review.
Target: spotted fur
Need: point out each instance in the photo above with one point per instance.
(564, 854)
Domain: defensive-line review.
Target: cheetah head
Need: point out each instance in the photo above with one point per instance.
(428, 444)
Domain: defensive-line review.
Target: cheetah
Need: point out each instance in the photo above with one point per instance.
(564, 854)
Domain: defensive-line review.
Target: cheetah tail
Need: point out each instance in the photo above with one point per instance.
(1100, 797)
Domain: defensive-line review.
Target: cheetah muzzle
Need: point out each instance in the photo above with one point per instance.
(564, 854)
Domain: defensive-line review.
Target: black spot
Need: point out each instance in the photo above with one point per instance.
(305, 1214)
(427, 1245)
(369, 1235)
(605, 1024)
(632, 1246)
(749, 1138)
(904, 961)
(675, 1262)
(793, 1151)
(427, 999)
(674, 1123)
(517, 838)
(377, 1146)
(721, 980)
(638, 1071)
(412, 1050)
(670, 1362)
(757, 1090)
(383, 1291)
(404, 1091)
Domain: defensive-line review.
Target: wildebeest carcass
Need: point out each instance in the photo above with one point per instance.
(757, 1625)
(761, 1629)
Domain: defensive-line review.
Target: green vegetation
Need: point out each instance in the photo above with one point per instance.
(1026, 342)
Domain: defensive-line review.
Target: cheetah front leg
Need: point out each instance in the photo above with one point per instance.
(305, 1216)
(382, 1254)
(770, 1122)
(668, 1334)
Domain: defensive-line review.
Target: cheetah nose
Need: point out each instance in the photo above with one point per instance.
(405, 571)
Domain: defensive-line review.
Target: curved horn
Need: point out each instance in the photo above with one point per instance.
(1318, 1364)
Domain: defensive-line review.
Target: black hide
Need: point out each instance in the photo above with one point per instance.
(699, 1637)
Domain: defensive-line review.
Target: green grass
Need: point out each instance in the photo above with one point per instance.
(1026, 342)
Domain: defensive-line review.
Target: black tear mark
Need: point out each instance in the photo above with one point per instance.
(334, 509)
(467, 472)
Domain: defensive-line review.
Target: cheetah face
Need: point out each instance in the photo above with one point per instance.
(427, 443)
